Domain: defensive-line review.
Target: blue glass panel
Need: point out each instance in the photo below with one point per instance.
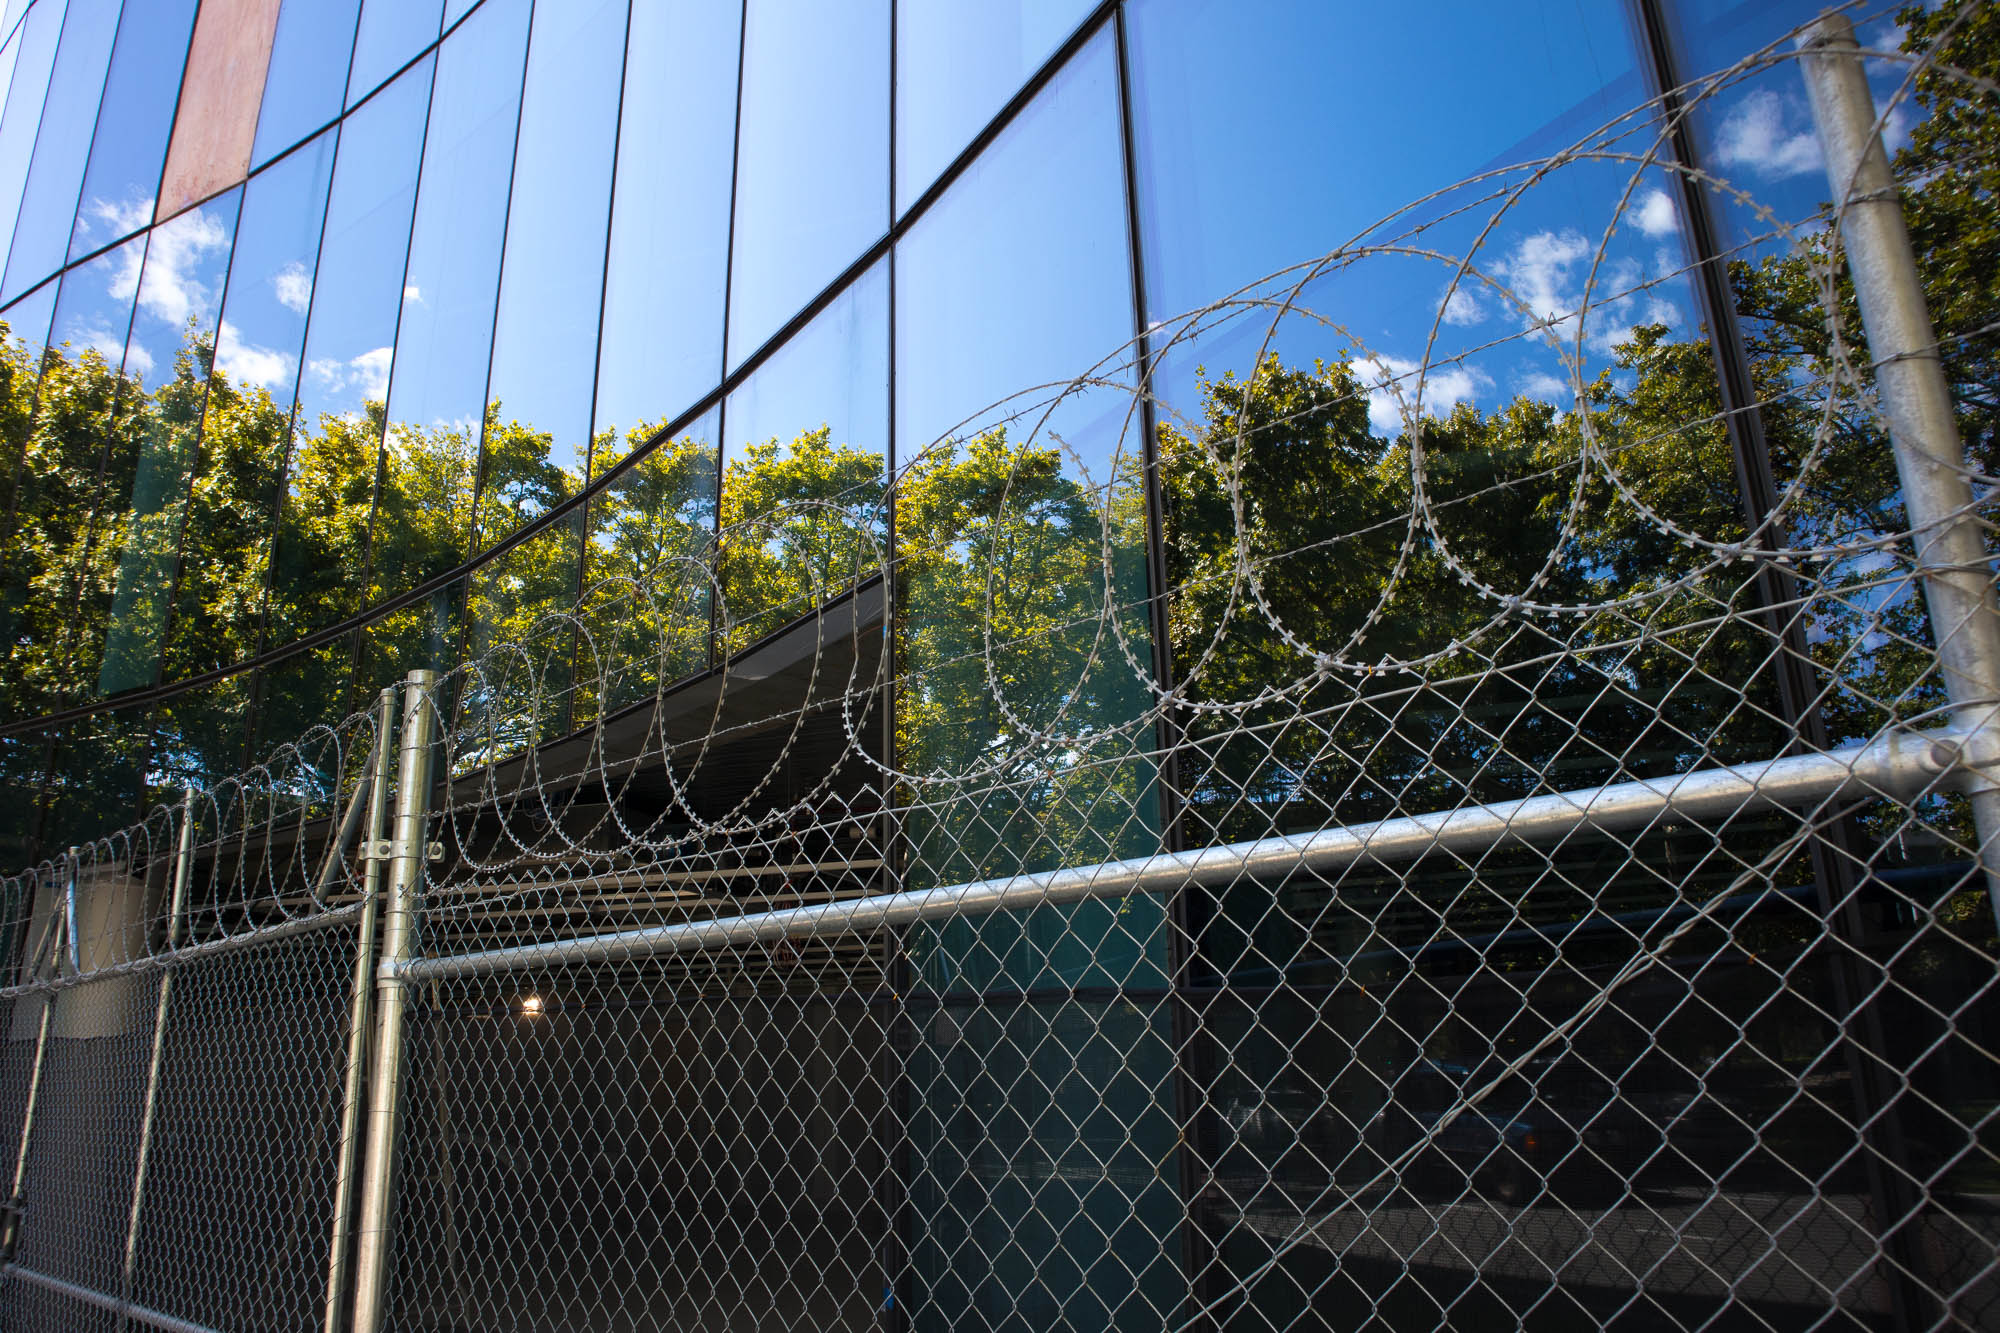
(134, 123)
(804, 444)
(307, 76)
(663, 296)
(956, 65)
(812, 175)
(156, 438)
(49, 203)
(390, 34)
(23, 117)
(438, 384)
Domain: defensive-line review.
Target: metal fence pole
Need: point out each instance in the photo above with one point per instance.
(381, 766)
(177, 907)
(10, 1225)
(1916, 399)
(385, 1090)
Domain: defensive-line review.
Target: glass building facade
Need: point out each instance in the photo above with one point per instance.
(347, 337)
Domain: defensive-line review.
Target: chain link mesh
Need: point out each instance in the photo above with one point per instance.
(1541, 893)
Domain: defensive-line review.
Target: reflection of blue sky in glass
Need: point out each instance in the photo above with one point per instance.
(359, 285)
(94, 307)
(27, 319)
(134, 122)
(956, 65)
(1018, 275)
(1758, 133)
(662, 338)
(307, 76)
(545, 341)
(270, 277)
(390, 33)
(180, 287)
(834, 373)
(812, 187)
(1270, 137)
(39, 32)
(439, 377)
(48, 205)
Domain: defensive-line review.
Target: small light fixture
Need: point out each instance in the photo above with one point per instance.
(531, 1006)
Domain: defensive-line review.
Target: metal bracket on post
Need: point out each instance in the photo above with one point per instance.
(1916, 399)
(385, 1088)
(374, 853)
(176, 910)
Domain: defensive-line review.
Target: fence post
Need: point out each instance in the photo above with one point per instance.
(1916, 399)
(381, 765)
(59, 909)
(385, 1088)
(177, 907)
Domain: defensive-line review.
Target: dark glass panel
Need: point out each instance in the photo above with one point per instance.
(663, 294)
(33, 64)
(53, 550)
(956, 65)
(1040, 1167)
(307, 75)
(219, 607)
(812, 158)
(322, 553)
(308, 689)
(520, 649)
(155, 446)
(133, 123)
(804, 512)
(98, 780)
(24, 773)
(423, 520)
(62, 148)
(1021, 545)
(648, 578)
(390, 33)
(199, 737)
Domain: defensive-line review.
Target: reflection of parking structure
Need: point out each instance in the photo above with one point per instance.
(1557, 1126)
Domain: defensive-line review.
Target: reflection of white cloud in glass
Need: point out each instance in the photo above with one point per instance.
(1758, 134)
(171, 291)
(249, 365)
(293, 287)
(109, 219)
(1655, 214)
(1544, 273)
(1393, 383)
(413, 295)
(368, 373)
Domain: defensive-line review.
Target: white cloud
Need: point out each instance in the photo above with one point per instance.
(108, 219)
(413, 295)
(1444, 387)
(293, 287)
(371, 372)
(138, 361)
(367, 373)
(1759, 135)
(172, 290)
(1656, 216)
(1462, 308)
(1538, 274)
(249, 365)
(1541, 384)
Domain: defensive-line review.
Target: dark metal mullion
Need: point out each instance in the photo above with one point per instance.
(719, 396)
(596, 378)
(492, 335)
(899, 1036)
(1197, 1250)
(1832, 848)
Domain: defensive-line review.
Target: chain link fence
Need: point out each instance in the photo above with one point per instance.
(1549, 888)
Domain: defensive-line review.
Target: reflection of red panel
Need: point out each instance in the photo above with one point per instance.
(220, 94)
